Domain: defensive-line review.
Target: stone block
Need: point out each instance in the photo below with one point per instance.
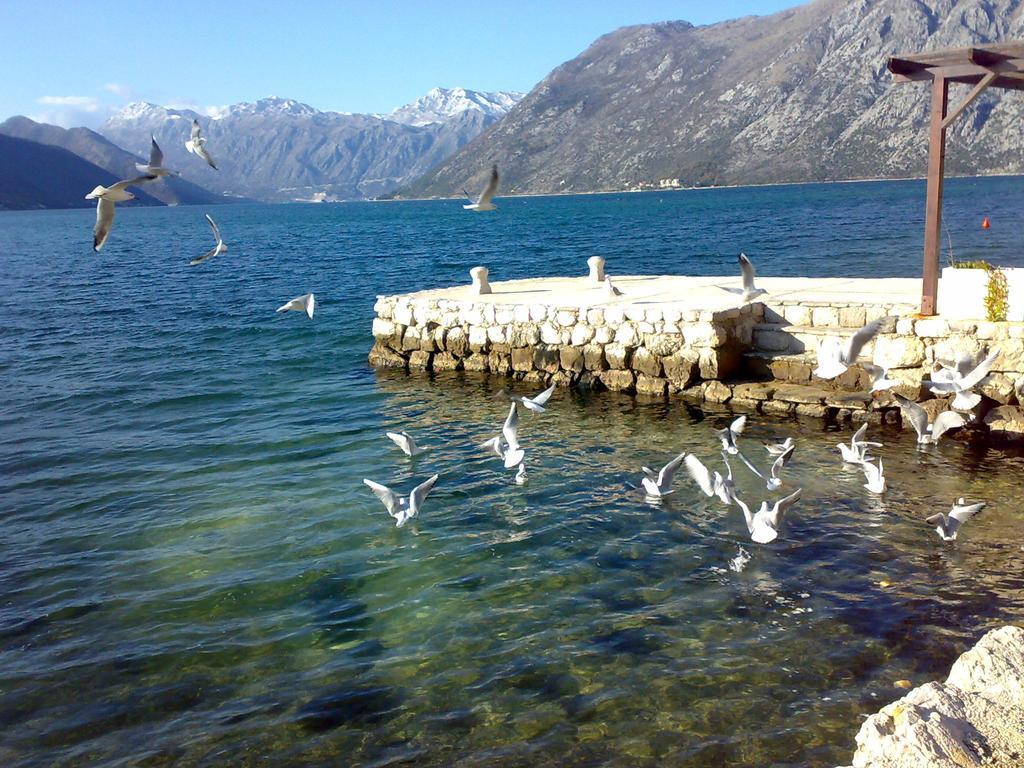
(456, 341)
(593, 358)
(719, 363)
(581, 334)
(703, 334)
(663, 344)
(931, 328)
(755, 390)
(382, 356)
(524, 335)
(848, 401)
(716, 392)
(566, 318)
(810, 409)
(382, 329)
(478, 338)
(522, 359)
(898, 351)
(618, 356)
(1011, 355)
(550, 334)
(475, 361)
(614, 316)
(654, 315)
(421, 360)
(796, 393)
(646, 362)
(651, 385)
(411, 339)
(538, 313)
(562, 379)
(681, 370)
(604, 334)
(571, 359)
(618, 380)
(635, 314)
(402, 313)
(489, 313)
(500, 363)
(796, 371)
(824, 317)
(446, 361)
(797, 314)
(1006, 421)
(595, 317)
(905, 326)
(504, 315)
(546, 359)
(777, 407)
(521, 313)
(852, 317)
(627, 334)
(744, 403)
(384, 307)
(496, 334)
(774, 340)
(998, 387)
(952, 348)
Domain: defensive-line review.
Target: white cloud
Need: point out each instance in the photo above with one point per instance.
(71, 111)
(118, 90)
(84, 103)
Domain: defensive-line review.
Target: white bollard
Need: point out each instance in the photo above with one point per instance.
(596, 264)
(480, 284)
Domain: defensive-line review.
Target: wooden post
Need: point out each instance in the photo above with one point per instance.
(933, 204)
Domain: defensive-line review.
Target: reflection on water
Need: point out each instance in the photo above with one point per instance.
(563, 621)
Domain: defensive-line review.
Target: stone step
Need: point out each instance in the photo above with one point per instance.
(830, 314)
(796, 368)
(795, 339)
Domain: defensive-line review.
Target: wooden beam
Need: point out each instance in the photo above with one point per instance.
(933, 203)
(987, 58)
(975, 93)
(900, 66)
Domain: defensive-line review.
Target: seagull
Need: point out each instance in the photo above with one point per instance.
(856, 451)
(711, 484)
(747, 269)
(483, 203)
(304, 303)
(156, 159)
(773, 479)
(874, 476)
(729, 434)
(105, 198)
(217, 249)
(658, 485)
(880, 380)
(949, 527)
(961, 382)
(834, 358)
(777, 449)
(763, 525)
(610, 289)
(404, 441)
(512, 453)
(197, 146)
(928, 434)
(536, 403)
(521, 474)
(401, 508)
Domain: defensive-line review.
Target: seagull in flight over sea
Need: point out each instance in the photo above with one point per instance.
(834, 357)
(105, 198)
(949, 527)
(535, 403)
(874, 475)
(763, 525)
(197, 146)
(928, 433)
(880, 380)
(962, 380)
(156, 163)
(747, 270)
(658, 485)
(711, 483)
(729, 434)
(773, 480)
(511, 452)
(483, 203)
(219, 248)
(777, 449)
(402, 508)
(304, 303)
(856, 451)
(406, 442)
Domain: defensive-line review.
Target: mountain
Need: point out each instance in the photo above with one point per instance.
(34, 175)
(802, 95)
(280, 149)
(92, 147)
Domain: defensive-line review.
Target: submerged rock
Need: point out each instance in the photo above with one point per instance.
(975, 718)
(355, 706)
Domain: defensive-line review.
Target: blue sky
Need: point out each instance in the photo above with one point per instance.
(75, 62)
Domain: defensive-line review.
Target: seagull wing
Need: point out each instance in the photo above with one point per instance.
(510, 429)
(491, 188)
(156, 156)
(208, 255)
(913, 413)
(402, 441)
(104, 221)
(749, 518)
(750, 466)
(781, 506)
(700, 474)
(961, 513)
(195, 132)
(941, 520)
(419, 495)
(871, 472)
(858, 436)
(544, 396)
(131, 182)
(963, 365)
(216, 232)
(385, 494)
(856, 342)
(737, 426)
(946, 421)
(668, 472)
(980, 371)
(204, 153)
(747, 269)
(782, 461)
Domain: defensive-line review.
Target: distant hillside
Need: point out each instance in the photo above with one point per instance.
(34, 175)
(90, 146)
(801, 95)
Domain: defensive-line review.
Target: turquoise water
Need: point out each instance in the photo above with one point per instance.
(193, 574)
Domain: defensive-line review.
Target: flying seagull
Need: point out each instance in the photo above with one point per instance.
(217, 249)
(610, 288)
(483, 203)
(511, 451)
(834, 357)
(536, 403)
(105, 198)
(304, 303)
(875, 476)
(855, 452)
(712, 484)
(949, 527)
(777, 449)
(748, 272)
(156, 163)
(402, 508)
(404, 441)
(928, 434)
(729, 434)
(773, 479)
(880, 380)
(658, 485)
(197, 146)
(961, 382)
(763, 525)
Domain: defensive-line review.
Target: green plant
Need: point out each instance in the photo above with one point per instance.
(997, 296)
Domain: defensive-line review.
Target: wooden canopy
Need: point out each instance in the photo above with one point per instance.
(989, 66)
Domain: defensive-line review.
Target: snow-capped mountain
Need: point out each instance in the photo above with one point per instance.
(441, 104)
(282, 149)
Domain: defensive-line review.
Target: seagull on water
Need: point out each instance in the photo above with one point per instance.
(856, 451)
(962, 380)
(763, 525)
(404, 441)
(156, 162)
(874, 476)
(217, 249)
(880, 381)
(402, 508)
(197, 146)
(105, 198)
(511, 452)
(729, 434)
(521, 474)
(610, 288)
(777, 449)
(483, 203)
(834, 357)
(659, 485)
(928, 433)
(712, 484)
(304, 303)
(949, 526)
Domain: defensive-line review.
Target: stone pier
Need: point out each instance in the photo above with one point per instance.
(692, 337)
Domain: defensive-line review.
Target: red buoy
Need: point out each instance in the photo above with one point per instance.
(984, 223)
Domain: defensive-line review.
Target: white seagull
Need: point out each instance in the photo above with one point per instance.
(483, 203)
(197, 146)
(511, 452)
(402, 508)
(880, 380)
(729, 434)
(304, 303)
(928, 434)
(962, 380)
(773, 479)
(748, 272)
(404, 441)
(105, 198)
(658, 485)
(537, 402)
(521, 474)
(218, 249)
(834, 357)
(948, 527)
(777, 449)
(610, 289)
(763, 525)
(712, 484)
(856, 451)
(156, 163)
(875, 476)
